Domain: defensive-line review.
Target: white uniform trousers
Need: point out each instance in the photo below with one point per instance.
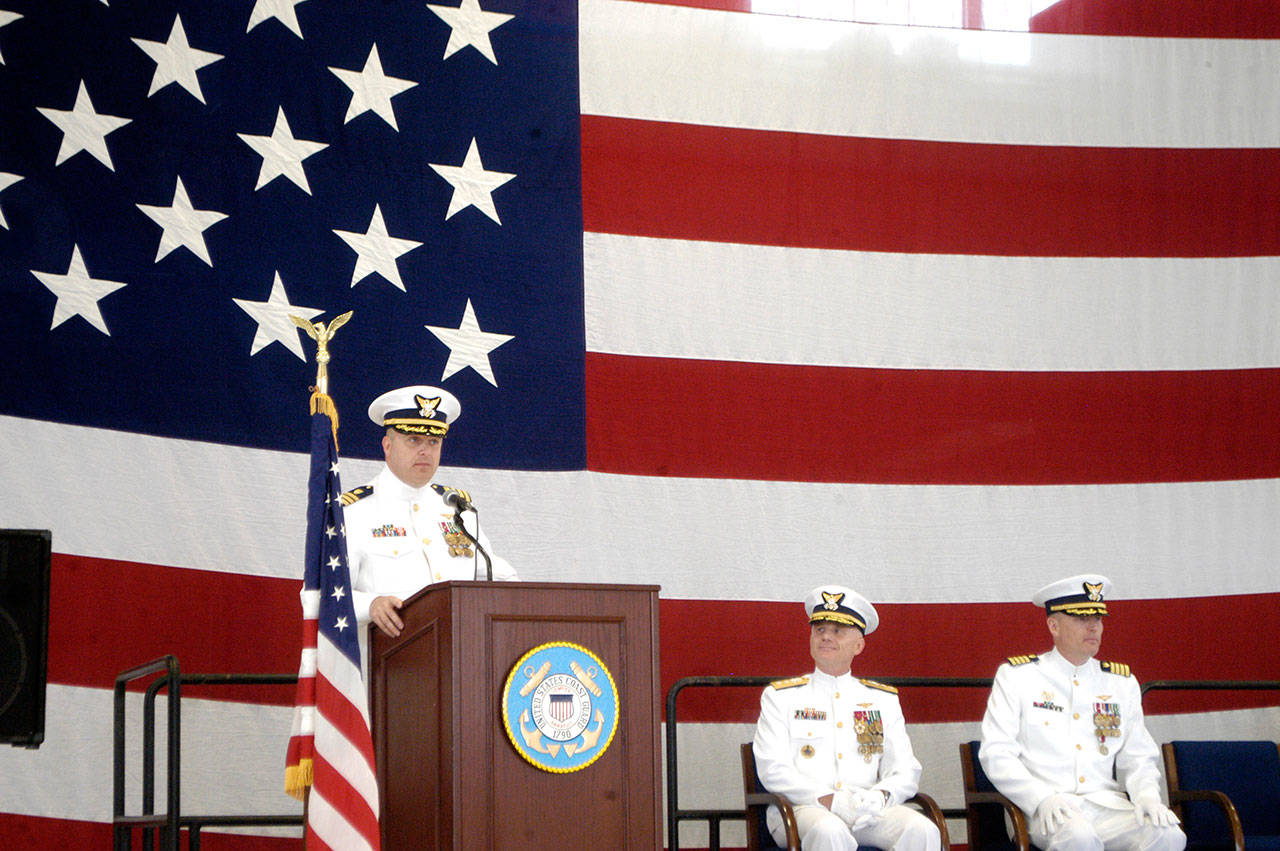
(899, 828)
(1098, 828)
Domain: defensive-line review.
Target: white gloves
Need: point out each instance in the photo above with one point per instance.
(1147, 807)
(845, 805)
(1054, 811)
(858, 807)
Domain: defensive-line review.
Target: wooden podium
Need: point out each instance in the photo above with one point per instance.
(449, 777)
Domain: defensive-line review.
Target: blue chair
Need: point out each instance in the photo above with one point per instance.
(986, 809)
(1227, 793)
(758, 799)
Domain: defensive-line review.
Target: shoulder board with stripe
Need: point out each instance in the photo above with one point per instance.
(881, 686)
(1023, 660)
(357, 494)
(791, 683)
(1118, 668)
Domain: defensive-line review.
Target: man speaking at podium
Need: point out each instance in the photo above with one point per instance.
(403, 532)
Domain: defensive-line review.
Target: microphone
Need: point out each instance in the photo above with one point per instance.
(458, 501)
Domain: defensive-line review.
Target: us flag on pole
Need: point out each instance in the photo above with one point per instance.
(331, 749)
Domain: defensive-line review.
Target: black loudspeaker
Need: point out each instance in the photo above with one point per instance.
(24, 633)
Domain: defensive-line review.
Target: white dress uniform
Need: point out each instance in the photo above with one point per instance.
(397, 545)
(807, 746)
(1051, 727)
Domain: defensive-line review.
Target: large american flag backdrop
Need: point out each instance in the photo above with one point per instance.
(736, 303)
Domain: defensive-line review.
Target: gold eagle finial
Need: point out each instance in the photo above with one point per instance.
(322, 335)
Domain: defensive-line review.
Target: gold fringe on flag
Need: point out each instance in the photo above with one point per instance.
(322, 404)
(298, 779)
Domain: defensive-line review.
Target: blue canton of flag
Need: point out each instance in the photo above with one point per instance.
(177, 177)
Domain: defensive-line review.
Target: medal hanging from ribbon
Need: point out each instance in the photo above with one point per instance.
(1106, 722)
(870, 730)
(459, 544)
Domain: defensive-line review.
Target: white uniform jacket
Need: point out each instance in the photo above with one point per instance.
(807, 739)
(396, 542)
(1053, 727)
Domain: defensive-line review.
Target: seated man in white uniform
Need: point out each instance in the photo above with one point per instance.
(836, 747)
(1063, 736)
(401, 534)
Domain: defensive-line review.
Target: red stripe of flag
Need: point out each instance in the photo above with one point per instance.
(915, 639)
(1166, 19)
(217, 633)
(300, 747)
(929, 426)
(307, 691)
(24, 831)
(721, 5)
(681, 181)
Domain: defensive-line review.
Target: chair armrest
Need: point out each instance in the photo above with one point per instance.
(931, 809)
(784, 808)
(1180, 796)
(1021, 836)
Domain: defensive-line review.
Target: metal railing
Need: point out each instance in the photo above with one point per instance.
(1211, 685)
(170, 823)
(714, 817)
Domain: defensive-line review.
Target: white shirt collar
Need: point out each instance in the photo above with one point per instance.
(389, 484)
(1057, 660)
(830, 683)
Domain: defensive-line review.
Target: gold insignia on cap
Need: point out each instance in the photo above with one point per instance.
(426, 407)
(1094, 591)
(831, 601)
